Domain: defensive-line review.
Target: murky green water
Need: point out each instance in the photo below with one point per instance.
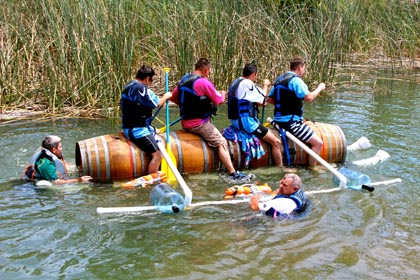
(347, 234)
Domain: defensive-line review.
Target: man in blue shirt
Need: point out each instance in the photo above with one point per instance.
(287, 95)
(137, 103)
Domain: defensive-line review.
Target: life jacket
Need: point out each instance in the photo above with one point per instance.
(238, 108)
(134, 114)
(299, 197)
(286, 101)
(192, 106)
(31, 173)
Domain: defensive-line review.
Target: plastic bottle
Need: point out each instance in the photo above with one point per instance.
(167, 199)
(355, 179)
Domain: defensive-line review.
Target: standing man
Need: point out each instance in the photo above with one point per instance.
(197, 99)
(287, 95)
(289, 199)
(137, 103)
(48, 163)
(244, 97)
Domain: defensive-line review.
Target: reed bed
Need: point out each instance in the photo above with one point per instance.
(79, 53)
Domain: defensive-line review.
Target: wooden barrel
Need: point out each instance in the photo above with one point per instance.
(334, 145)
(110, 157)
(192, 153)
(113, 157)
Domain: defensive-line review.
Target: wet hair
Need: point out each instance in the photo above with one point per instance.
(249, 69)
(296, 62)
(296, 181)
(51, 141)
(144, 72)
(202, 64)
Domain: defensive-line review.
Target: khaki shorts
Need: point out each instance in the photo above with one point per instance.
(210, 134)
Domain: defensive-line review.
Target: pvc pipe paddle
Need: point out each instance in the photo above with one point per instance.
(341, 177)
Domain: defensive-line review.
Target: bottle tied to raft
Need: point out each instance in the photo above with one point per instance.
(166, 199)
(146, 180)
(246, 190)
(355, 180)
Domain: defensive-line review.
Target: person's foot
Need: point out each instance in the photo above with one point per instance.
(240, 178)
(288, 169)
(317, 168)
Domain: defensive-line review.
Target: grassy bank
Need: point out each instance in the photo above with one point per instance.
(60, 53)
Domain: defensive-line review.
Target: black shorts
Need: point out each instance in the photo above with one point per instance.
(147, 143)
(261, 131)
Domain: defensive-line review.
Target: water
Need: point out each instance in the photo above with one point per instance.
(348, 234)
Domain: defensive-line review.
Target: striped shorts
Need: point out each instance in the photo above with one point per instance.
(299, 129)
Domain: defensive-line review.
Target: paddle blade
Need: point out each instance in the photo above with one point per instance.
(165, 167)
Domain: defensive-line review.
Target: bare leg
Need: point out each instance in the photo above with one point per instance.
(275, 143)
(155, 162)
(224, 157)
(316, 146)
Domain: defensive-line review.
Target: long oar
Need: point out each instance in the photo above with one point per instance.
(165, 164)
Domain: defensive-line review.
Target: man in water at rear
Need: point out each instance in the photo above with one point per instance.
(48, 164)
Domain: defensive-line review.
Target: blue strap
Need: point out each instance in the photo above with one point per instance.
(285, 145)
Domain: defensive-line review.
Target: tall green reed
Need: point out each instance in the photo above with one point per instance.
(60, 53)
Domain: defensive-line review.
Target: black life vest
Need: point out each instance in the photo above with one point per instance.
(192, 106)
(286, 101)
(134, 114)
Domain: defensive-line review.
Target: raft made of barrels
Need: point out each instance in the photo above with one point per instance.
(113, 157)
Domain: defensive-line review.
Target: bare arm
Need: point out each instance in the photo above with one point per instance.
(84, 179)
(255, 201)
(313, 94)
(163, 99)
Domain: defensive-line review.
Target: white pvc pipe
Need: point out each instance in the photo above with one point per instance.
(361, 144)
(103, 210)
(380, 156)
(179, 178)
(341, 177)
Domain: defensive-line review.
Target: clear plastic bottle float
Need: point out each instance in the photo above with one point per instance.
(166, 199)
(146, 180)
(355, 180)
(246, 190)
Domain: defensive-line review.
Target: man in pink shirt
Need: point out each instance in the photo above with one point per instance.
(197, 99)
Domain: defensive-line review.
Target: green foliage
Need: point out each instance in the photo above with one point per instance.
(81, 52)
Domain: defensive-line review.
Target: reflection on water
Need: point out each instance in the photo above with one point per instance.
(50, 234)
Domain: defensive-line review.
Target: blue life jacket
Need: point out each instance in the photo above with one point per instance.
(298, 197)
(134, 114)
(31, 173)
(192, 106)
(286, 101)
(238, 108)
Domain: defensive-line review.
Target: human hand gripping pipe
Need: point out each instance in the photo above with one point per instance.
(341, 177)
